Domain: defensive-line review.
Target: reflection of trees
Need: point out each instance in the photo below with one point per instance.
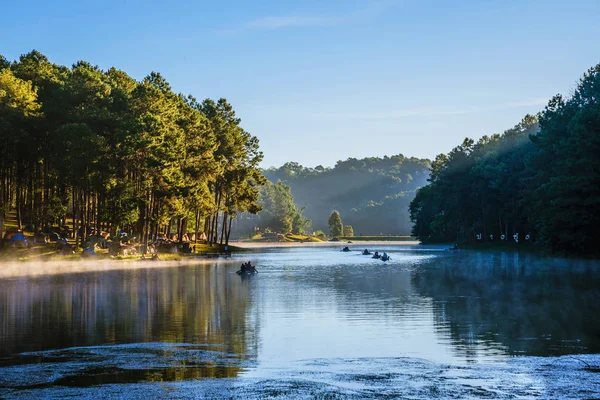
(527, 304)
(179, 305)
(361, 289)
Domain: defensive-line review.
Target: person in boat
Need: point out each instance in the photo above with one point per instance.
(376, 255)
(346, 248)
(247, 268)
(366, 252)
(455, 247)
(385, 256)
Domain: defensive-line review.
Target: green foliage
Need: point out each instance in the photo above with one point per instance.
(336, 228)
(320, 234)
(476, 188)
(278, 206)
(278, 212)
(537, 179)
(4, 63)
(119, 151)
(372, 193)
(565, 202)
(17, 95)
(56, 209)
(348, 231)
(300, 224)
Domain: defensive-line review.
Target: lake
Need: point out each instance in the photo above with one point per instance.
(314, 322)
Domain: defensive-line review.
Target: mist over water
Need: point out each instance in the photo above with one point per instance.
(309, 310)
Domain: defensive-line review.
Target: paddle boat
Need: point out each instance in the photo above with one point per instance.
(247, 269)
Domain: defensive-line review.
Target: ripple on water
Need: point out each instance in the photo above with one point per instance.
(121, 376)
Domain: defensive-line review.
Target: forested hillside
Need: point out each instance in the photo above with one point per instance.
(110, 152)
(540, 180)
(371, 194)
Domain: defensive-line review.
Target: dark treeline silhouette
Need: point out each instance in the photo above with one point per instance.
(541, 178)
(371, 194)
(112, 152)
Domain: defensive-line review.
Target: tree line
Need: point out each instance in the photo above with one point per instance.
(114, 153)
(538, 181)
(279, 213)
(373, 194)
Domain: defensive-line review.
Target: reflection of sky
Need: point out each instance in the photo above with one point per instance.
(449, 307)
(318, 302)
(325, 303)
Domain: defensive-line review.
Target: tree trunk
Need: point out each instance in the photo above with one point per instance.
(18, 205)
(168, 233)
(197, 226)
(228, 230)
(75, 219)
(224, 226)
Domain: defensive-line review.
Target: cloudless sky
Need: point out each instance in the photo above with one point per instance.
(319, 81)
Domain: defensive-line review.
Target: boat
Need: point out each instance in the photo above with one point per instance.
(382, 258)
(366, 253)
(376, 256)
(346, 249)
(247, 271)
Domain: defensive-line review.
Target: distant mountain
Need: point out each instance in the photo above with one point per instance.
(372, 194)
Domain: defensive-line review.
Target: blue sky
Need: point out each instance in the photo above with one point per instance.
(321, 81)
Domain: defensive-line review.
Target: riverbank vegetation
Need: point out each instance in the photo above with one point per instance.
(537, 182)
(279, 214)
(108, 152)
(371, 194)
(378, 238)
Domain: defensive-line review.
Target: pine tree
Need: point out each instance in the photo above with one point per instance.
(336, 228)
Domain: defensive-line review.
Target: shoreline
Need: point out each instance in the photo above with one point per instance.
(14, 269)
(258, 245)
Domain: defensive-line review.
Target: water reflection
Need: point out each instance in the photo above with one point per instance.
(515, 303)
(442, 306)
(202, 304)
(202, 321)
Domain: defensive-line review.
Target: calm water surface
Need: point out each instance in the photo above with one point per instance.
(306, 306)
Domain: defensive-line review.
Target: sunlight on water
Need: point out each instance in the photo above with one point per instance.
(89, 324)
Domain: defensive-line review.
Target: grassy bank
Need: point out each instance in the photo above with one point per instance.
(378, 238)
(281, 238)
